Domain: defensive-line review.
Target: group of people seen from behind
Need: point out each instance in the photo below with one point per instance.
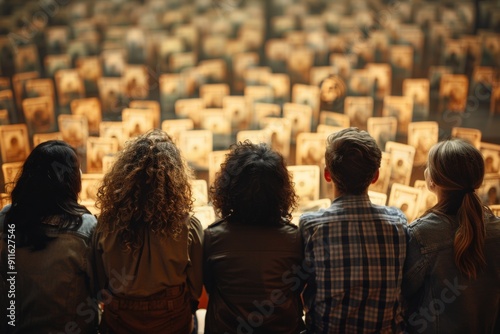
(141, 265)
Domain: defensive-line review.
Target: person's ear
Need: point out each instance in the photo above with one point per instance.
(326, 175)
(375, 177)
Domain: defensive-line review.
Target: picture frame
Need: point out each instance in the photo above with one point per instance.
(39, 114)
(422, 136)
(14, 142)
(470, 134)
(405, 198)
(97, 149)
(306, 179)
(382, 129)
(402, 156)
(491, 155)
(90, 108)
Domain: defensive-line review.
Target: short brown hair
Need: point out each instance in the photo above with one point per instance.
(352, 157)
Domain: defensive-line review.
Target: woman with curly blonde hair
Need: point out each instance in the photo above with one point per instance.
(147, 248)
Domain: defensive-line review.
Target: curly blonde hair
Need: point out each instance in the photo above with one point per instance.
(148, 187)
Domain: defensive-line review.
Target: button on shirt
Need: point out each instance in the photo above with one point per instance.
(354, 256)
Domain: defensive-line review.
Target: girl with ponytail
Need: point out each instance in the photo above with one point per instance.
(451, 278)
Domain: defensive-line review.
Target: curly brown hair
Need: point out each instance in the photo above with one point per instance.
(254, 186)
(147, 187)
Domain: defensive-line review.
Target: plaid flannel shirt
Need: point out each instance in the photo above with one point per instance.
(354, 256)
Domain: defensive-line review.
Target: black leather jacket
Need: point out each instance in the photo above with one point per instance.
(252, 276)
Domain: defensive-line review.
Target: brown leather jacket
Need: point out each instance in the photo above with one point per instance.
(252, 276)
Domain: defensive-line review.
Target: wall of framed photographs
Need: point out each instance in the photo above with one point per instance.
(286, 72)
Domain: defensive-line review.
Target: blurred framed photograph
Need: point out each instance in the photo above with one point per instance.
(377, 198)
(19, 83)
(173, 127)
(27, 59)
(190, 108)
(256, 76)
(195, 146)
(74, 130)
(113, 62)
(199, 189)
(306, 180)
(471, 135)
(401, 60)
(111, 94)
(334, 119)
(236, 108)
(427, 198)
(400, 107)
(213, 94)
(310, 149)
(4, 117)
(328, 129)
(307, 95)
(418, 90)
(300, 116)
(280, 130)
(381, 74)
(91, 109)
(213, 70)
(205, 214)
(107, 162)
(90, 71)
(54, 63)
(491, 154)
(97, 149)
(181, 61)
(454, 55)
(40, 87)
(405, 198)
(215, 160)
(343, 63)
(137, 121)
(69, 86)
(360, 83)
(113, 130)
(382, 184)
(151, 105)
(382, 129)
(39, 114)
(39, 138)
(11, 172)
(135, 81)
(401, 162)
(216, 120)
(241, 62)
(453, 92)
(359, 109)
(262, 110)
(299, 63)
(258, 94)
(280, 85)
(14, 142)
(422, 136)
(90, 186)
(489, 192)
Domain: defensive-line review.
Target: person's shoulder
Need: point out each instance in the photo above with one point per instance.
(88, 226)
(427, 221)
(493, 228)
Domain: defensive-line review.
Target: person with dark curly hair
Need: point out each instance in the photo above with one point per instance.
(45, 237)
(252, 254)
(147, 248)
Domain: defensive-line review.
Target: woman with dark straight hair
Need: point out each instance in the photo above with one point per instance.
(52, 236)
(452, 272)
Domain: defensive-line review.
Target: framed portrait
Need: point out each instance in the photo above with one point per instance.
(343, 63)
(14, 141)
(377, 198)
(489, 192)
(491, 155)
(11, 171)
(454, 55)
(39, 138)
(195, 146)
(418, 90)
(190, 108)
(236, 108)
(90, 186)
(299, 63)
(97, 149)
(39, 114)
(280, 85)
(113, 130)
(91, 109)
(306, 180)
(427, 199)
(405, 198)
(137, 121)
(400, 107)
(307, 95)
(310, 149)
(401, 60)
(256, 76)
(258, 94)
(402, 156)
(27, 59)
(151, 105)
(213, 94)
(113, 62)
(173, 127)
(453, 90)
(74, 130)
(216, 120)
(172, 88)
(382, 129)
(136, 81)
(422, 136)
(215, 160)
(435, 74)
(471, 135)
(199, 189)
(280, 130)
(212, 70)
(359, 109)
(241, 62)
(382, 75)
(55, 62)
(40, 87)
(19, 83)
(205, 214)
(334, 119)
(300, 116)
(382, 184)
(360, 83)
(69, 86)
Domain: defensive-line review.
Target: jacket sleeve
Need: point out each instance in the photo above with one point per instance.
(195, 268)
(415, 268)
